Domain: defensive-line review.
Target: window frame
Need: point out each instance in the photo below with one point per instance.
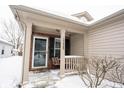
(55, 48)
(33, 51)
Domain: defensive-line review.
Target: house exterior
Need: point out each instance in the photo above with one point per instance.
(6, 49)
(70, 39)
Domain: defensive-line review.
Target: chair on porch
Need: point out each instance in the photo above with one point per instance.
(55, 62)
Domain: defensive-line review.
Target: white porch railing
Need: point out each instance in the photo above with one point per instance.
(73, 63)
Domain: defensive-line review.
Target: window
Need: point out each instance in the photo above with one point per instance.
(40, 47)
(2, 52)
(57, 47)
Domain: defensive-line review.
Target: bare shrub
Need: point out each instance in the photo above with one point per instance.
(97, 68)
(117, 75)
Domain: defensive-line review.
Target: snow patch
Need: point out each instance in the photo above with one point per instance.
(10, 71)
(73, 81)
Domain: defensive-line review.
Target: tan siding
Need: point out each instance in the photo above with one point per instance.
(107, 40)
(77, 45)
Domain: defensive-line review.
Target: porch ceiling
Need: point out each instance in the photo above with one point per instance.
(46, 30)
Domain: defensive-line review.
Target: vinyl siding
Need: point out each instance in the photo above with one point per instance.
(107, 40)
(77, 44)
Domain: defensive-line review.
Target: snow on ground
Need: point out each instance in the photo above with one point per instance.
(10, 76)
(43, 79)
(110, 84)
(73, 81)
(10, 71)
(51, 79)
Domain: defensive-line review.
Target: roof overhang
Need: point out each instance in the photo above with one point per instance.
(119, 15)
(16, 8)
(22, 12)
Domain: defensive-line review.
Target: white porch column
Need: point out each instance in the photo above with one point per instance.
(62, 53)
(26, 56)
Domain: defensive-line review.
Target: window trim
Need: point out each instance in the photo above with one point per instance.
(46, 65)
(55, 39)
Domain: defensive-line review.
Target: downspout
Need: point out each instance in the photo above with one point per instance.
(23, 27)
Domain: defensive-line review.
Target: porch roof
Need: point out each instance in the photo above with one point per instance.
(47, 13)
(66, 18)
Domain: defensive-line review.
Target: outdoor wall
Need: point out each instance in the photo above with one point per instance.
(7, 50)
(77, 44)
(107, 39)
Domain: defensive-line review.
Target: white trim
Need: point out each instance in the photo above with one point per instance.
(39, 37)
(14, 9)
(55, 39)
(66, 18)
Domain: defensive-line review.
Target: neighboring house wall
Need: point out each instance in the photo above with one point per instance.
(5, 50)
(107, 40)
(77, 44)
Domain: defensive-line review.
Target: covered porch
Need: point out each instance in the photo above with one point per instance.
(46, 49)
(38, 27)
(71, 56)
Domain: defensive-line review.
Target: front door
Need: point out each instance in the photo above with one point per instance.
(40, 52)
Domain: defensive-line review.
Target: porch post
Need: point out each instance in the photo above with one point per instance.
(62, 53)
(26, 55)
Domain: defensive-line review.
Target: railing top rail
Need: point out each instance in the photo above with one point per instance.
(73, 56)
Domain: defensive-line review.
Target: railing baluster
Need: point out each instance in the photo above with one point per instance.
(76, 65)
(72, 63)
(65, 64)
(69, 64)
(78, 62)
